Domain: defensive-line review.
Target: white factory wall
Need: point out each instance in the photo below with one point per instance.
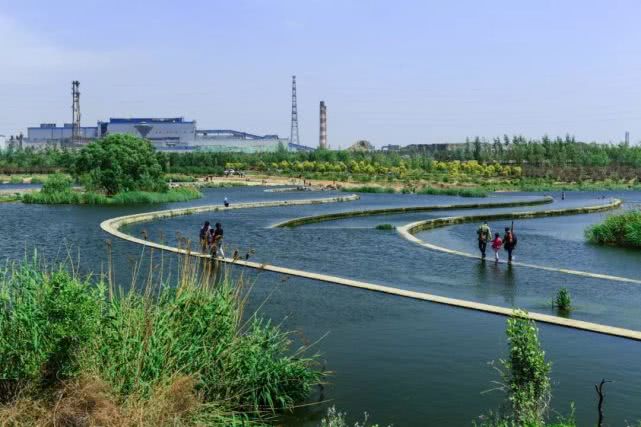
(182, 132)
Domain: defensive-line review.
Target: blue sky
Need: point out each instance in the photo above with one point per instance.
(391, 72)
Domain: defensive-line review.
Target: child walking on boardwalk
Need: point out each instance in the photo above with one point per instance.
(496, 246)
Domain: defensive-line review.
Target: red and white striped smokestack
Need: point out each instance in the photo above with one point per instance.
(322, 140)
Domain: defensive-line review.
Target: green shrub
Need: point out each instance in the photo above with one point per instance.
(57, 183)
(462, 192)
(5, 198)
(55, 327)
(617, 230)
(369, 189)
(526, 373)
(385, 227)
(562, 301)
(334, 418)
(38, 180)
(178, 177)
(119, 163)
(180, 194)
(46, 318)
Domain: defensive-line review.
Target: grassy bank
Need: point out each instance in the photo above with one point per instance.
(5, 198)
(462, 192)
(617, 230)
(23, 179)
(369, 189)
(79, 353)
(69, 197)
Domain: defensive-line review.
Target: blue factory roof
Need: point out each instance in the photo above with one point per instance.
(137, 120)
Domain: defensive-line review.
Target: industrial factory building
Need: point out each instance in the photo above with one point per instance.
(50, 134)
(161, 132)
(166, 134)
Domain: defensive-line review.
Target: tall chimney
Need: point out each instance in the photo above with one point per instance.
(322, 140)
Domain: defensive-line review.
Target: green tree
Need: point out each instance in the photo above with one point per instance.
(526, 373)
(119, 163)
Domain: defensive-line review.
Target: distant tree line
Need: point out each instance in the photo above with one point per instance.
(545, 151)
(558, 158)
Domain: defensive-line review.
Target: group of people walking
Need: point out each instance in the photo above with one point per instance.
(508, 242)
(211, 239)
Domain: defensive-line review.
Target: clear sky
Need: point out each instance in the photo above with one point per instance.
(392, 72)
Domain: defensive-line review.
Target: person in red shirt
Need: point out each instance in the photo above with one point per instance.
(496, 246)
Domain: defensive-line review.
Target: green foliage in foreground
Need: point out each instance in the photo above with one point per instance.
(617, 230)
(55, 327)
(526, 377)
(335, 418)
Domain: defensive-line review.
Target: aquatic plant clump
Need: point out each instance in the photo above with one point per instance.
(562, 301)
(527, 372)
(385, 227)
(370, 189)
(462, 192)
(617, 230)
(70, 197)
(60, 333)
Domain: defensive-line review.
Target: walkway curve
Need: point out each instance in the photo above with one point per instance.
(296, 222)
(408, 231)
(113, 225)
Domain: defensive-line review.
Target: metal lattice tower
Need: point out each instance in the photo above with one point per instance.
(293, 135)
(75, 111)
(322, 136)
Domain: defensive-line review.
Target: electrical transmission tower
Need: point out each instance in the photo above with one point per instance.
(293, 135)
(75, 111)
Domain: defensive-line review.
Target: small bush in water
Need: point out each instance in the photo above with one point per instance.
(617, 230)
(562, 301)
(385, 227)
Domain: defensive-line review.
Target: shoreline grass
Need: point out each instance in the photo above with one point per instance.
(385, 227)
(461, 192)
(623, 230)
(8, 198)
(369, 189)
(69, 197)
(73, 352)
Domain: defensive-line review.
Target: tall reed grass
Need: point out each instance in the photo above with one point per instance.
(369, 189)
(180, 353)
(70, 197)
(617, 230)
(462, 192)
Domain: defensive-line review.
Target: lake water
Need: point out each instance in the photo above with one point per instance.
(405, 362)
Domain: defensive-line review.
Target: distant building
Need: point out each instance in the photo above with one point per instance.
(51, 134)
(361, 145)
(391, 147)
(161, 132)
(227, 140)
(173, 134)
(3, 142)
